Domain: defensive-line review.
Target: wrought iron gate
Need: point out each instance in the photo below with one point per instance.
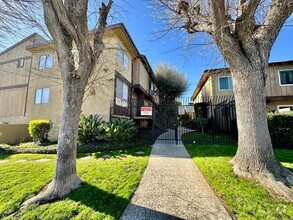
(165, 119)
(212, 121)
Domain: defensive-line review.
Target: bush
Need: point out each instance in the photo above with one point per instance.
(39, 130)
(281, 129)
(90, 128)
(191, 124)
(185, 118)
(120, 131)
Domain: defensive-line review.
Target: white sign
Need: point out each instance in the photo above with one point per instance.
(185, 108)
(146, 111)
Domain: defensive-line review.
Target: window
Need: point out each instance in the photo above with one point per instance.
(20, 63)
(46, 61)
(286, 77)
(225, 83)
(285, 108)
(121, 93)
(42, 96)
(122, 57)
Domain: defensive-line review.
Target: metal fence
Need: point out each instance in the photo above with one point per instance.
(208, 120)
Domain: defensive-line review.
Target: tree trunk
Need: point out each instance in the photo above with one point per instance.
(65, 179)
(255, 156)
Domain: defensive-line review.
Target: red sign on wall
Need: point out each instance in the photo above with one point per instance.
(146, 111)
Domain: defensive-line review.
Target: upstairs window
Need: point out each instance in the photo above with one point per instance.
(20, 63)
(46, 61)
(42, 96)
(225, 83)
(122, 57)
(121, 93)
(286, 77)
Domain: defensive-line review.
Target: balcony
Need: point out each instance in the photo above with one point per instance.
(133, 111)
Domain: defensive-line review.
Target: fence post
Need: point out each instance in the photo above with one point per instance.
(153, 123)
(176, 123)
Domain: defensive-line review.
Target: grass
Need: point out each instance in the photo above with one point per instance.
(199, 137)
(107, 189)
(243, 198)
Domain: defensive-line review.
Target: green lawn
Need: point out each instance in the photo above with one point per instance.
(243, 198)
(207, 137)
(107, 189)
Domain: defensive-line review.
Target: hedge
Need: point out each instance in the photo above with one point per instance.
(281, 129)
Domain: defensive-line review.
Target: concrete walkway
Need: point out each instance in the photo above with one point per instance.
(172, 187)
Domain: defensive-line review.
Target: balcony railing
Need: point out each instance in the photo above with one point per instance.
(133, 110)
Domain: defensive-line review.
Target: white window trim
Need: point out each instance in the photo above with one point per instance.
(23, 60)
(125, 55)
(228, 83)
(279, 71)
(41, 103)
(278, 106)
(120, 101)
(47, 55)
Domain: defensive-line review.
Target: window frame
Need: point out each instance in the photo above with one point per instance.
(18, 62)
(279, 74)
(121, 57)
(120, 100)
(42, 94)
(46, 58)
(278, 106)
(219, 85)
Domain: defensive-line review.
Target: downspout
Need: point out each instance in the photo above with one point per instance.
(27, 89)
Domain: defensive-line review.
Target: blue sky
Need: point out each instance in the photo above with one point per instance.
(142, 26)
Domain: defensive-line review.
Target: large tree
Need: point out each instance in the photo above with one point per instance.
(171, 82)
(67, 22)
(244, 32)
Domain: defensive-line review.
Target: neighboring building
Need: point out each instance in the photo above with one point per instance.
(217, 84)
(31, 85)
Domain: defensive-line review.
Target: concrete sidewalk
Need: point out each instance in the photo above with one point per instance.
(172, 187)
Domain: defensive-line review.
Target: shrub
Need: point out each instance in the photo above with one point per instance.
(39, 130)
(184, 118)
(281, 129)
(90, 128)
(191, 124)
(120, 131)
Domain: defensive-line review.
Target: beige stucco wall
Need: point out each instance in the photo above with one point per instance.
(215, 85)
(144, 77)
(12, 102)
(273, 87)
(98, 97)
(136, 73)
(126, 72)
(273, 105)
(18, 51)
(11, 75)
(13, 134)
(206, 91)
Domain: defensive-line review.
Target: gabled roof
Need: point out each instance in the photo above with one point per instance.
(22, 41)
(207, 73)
(116, 28)
(204, 78)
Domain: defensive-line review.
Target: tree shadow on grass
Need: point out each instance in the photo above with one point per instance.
(119, 154)
(284, 155)
(4, 153)
(99, 200)
(211, 150)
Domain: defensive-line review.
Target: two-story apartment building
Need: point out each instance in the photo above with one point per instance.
(31, 84)
(279, 86)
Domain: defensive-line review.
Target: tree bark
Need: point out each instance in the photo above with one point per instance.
(67, 23)
(255, 157)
